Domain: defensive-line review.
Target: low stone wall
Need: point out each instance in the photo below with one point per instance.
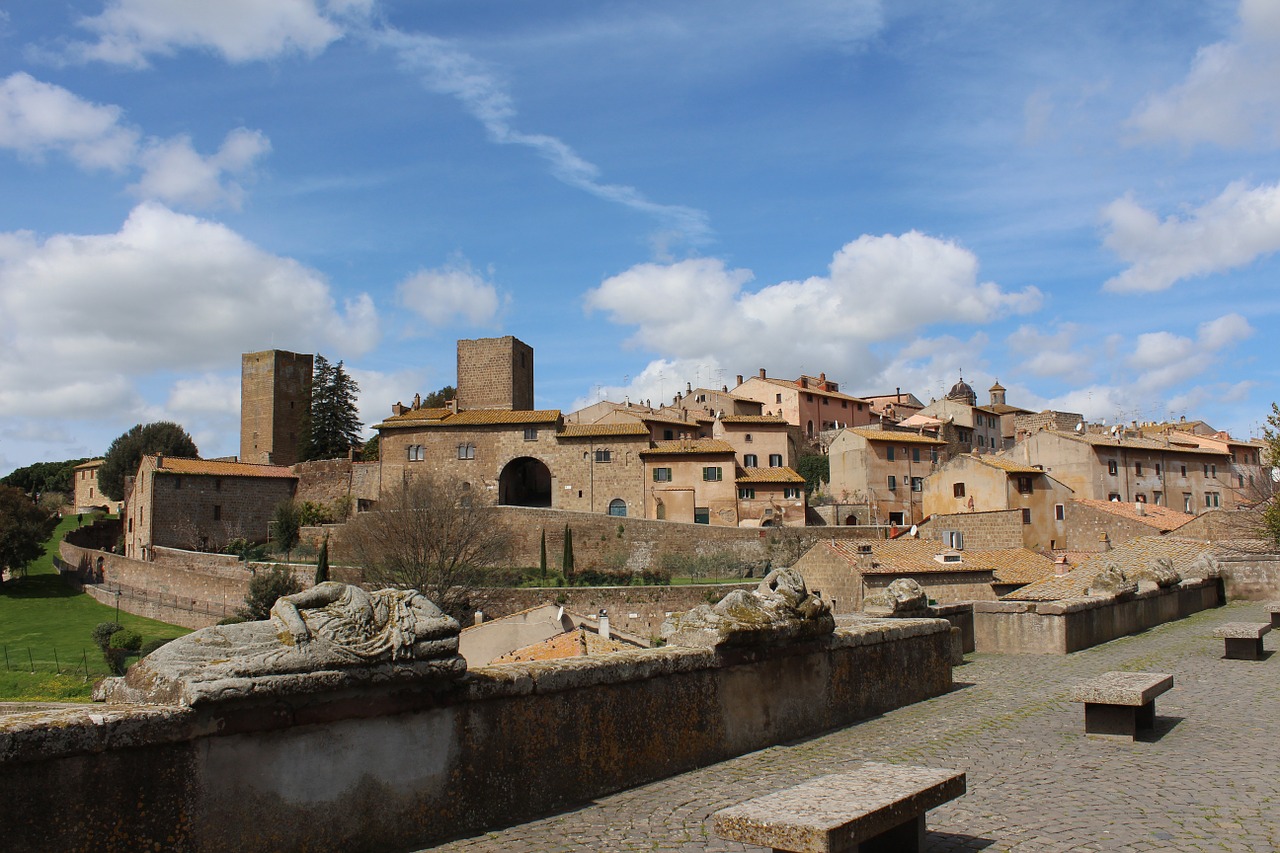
(1253, 578)
(1061, 627)
(399, 768)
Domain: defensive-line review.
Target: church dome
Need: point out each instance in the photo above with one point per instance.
(963, 392)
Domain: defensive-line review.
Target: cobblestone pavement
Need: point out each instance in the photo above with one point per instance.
(1207, 777)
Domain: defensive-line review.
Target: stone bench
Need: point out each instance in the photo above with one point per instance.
(1243, 639)
(1274, 607)
(877, 807)
(1120, 704)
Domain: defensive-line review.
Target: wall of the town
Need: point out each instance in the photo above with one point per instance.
(981, 531)
(1061, 627)
(1091, 529)
(337, 483)
(398, 769)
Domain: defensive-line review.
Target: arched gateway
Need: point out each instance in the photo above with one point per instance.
(525, 481)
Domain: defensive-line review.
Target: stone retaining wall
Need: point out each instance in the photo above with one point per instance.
(1061, 627)
(399, 768)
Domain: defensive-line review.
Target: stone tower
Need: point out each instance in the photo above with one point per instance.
(495, 373)
(997, 394)
(275, 397)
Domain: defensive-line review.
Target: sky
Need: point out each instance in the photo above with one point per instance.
(1080, 200)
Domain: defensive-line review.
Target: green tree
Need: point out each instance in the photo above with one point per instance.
(566, 560)
(286, 526)
(542, 554)
(333, 425)
(816, 470)
(1271, 456)
(440, 399)
(264, 589)
(43, 477)
(24, 528)
(127, 450)
(322, 562)
(369, 453)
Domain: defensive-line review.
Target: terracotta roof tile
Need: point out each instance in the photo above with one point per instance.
(472, 417)
(1097, 440)
(1128, 555)
(1162, 518)
(894, 435)
(691, 445)
(769, 475)
(175, 465)
(753, 419)
(576, 643)
(92, 463)
(595, 430)
(1007, 465)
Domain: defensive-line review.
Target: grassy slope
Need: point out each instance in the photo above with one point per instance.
(41, 616)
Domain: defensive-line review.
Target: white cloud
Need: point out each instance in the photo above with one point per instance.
(378, 390)
(1164, 360)
(85, 317)
(660, 381)
(37, 117)
(1050, 353)
(451, 293)
(131, 31)
(878, 289)
(1231, 96)
(448, 70)
(176, 173)
(1232, 230)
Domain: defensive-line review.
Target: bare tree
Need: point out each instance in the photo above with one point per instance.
(431, 534)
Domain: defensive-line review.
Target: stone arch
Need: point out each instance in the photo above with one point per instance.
(525, 481)
(618, 507)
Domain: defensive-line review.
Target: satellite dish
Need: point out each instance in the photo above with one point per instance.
(1080, 427)
(1115, 429)
(914, 531)
(1275, 475)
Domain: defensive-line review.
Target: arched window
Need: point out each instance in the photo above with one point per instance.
(618, 507)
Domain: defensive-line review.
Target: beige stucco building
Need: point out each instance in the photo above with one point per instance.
(86, 493)
(884, 471)
(985, 483)
(812, 403)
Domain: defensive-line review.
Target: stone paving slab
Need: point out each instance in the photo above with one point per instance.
(1204, 779)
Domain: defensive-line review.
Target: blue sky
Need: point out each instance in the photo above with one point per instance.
(1081, 200)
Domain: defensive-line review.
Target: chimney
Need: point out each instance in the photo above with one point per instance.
(453, 405)
(822, 377)
(159, 460)
(604, 624)
(1139, 508)
(1060, 566)
(479, 617)
(417, 401)
(398, 408)
(739, 378)
(762, 375)
(804, 382)
(897, 394)
(1106, 541)
(688, 387)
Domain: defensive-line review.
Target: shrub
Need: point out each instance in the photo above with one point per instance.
(232, 620)
(130, 641)
(264, 589)
(102, 634)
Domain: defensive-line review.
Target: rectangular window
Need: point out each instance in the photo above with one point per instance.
(917, 484)
(604, 455)
(893, 483)
(1212, 499)
(844, 404)
(750, 460)
(957, 490)
(1059, 512)
(1186, 502)
(748, 438)
(791, 493)
(1157, 469)
(1026, 516)
(1140, 498)
(217, 512)
(1158, 498)
(530, 433)
(746, 494)
(701, 515)
(1112, 468)
(1213, 470)
(777, 398)
(1184, 470)
(1114, 497)
(662, 475)
(668, 434)
(712, 474)
(1024, 485)
(915, 454)
(775, 460)
(888, 453)
(825, 401)
(808, 398)
(466, 451)
(1137, 469)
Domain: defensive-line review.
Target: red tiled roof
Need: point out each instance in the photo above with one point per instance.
(1160, 517)
(690, 446)
(176, 465)
(769, 475)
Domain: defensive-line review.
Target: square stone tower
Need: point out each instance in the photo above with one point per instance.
(275, 398)
(495, 373)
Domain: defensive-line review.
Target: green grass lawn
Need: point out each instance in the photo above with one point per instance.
(46, 626)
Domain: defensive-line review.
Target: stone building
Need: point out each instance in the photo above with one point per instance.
(495, 373)
(87, 494)
(883, 470)
(979, 429)
(1130, 468)
(275, 400)
(201, 505)
(847, 571)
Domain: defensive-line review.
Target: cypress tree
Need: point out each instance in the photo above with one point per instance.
(542, 555)
(567, 561)
(322, 561)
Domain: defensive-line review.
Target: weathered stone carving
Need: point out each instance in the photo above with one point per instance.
(329, 637)
(1206, 565)
(1160, 572)
(780, 609)
(902, 596)
(1111, 582)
